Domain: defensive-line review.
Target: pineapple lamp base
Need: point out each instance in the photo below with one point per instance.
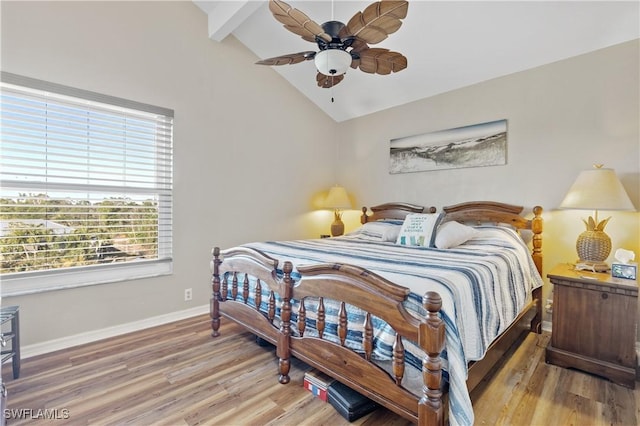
(593, 247)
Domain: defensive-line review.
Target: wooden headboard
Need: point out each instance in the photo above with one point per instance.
(392, 211)
(473, 212)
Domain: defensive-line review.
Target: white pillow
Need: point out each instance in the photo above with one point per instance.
(418, 229)
(379, 231)
(391, 234)
(452, 234)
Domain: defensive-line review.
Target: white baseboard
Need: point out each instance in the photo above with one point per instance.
(92, 336)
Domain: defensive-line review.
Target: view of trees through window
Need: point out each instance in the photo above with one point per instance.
(42, 233)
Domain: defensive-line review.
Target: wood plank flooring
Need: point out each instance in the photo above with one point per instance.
(176, 374)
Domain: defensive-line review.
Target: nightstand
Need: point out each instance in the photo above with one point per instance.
(594, 324)
(11, 316)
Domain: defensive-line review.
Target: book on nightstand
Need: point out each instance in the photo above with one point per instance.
(317, 383)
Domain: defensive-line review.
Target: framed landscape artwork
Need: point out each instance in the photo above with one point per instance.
(469, 146)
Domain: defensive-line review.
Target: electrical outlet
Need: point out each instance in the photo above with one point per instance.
(188, 294)
(549, 306)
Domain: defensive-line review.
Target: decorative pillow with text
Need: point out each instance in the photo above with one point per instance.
(418, 229)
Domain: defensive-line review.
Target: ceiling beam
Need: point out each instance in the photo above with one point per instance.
(226, 16)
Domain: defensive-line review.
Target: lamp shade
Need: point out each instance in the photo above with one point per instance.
(332, 61)
(597, 189)
(337, 198)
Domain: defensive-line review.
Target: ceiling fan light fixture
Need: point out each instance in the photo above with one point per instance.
(332, 61)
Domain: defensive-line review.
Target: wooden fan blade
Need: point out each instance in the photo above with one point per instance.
(358, 45)
(381, 61)
(327, 81)
(377, 21)
(297, 22)
(290, 59)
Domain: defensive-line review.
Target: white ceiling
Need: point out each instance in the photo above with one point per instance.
(448, 44)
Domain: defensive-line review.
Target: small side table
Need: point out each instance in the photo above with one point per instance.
(11, 315)
(594, 324)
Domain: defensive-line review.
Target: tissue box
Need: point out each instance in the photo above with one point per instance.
(628, 271)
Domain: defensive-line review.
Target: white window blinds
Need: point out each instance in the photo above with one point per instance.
(86, 179)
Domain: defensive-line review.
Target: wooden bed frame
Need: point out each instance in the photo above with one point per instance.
(352, 285)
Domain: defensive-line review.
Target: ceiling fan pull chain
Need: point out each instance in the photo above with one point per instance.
(331, 89)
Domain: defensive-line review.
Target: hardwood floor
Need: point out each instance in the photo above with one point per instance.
(176, 374)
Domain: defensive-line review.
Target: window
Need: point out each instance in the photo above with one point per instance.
(85, 187)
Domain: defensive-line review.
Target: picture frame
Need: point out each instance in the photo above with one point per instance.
(476, 145)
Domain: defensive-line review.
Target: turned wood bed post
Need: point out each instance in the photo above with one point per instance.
(431, 339)
(283, 349)
(364, 217)
(214, 310)
(536, 227)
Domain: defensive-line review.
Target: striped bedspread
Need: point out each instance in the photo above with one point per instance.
(484, 284)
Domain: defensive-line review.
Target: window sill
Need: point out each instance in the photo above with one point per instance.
(37, 282)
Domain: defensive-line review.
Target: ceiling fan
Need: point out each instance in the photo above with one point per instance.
(340, 45)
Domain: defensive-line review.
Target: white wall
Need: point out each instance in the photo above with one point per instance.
(246, 164)
(562, 118)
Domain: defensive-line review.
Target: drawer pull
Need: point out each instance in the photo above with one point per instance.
(605, 296)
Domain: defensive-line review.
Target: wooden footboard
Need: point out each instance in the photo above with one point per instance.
(349, 286)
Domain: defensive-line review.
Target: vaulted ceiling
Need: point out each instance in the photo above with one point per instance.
(448, 44)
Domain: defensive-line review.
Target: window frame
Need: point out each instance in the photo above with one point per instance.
(29, 282)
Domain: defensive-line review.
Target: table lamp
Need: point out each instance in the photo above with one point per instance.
(596, 189)
(337, 199)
